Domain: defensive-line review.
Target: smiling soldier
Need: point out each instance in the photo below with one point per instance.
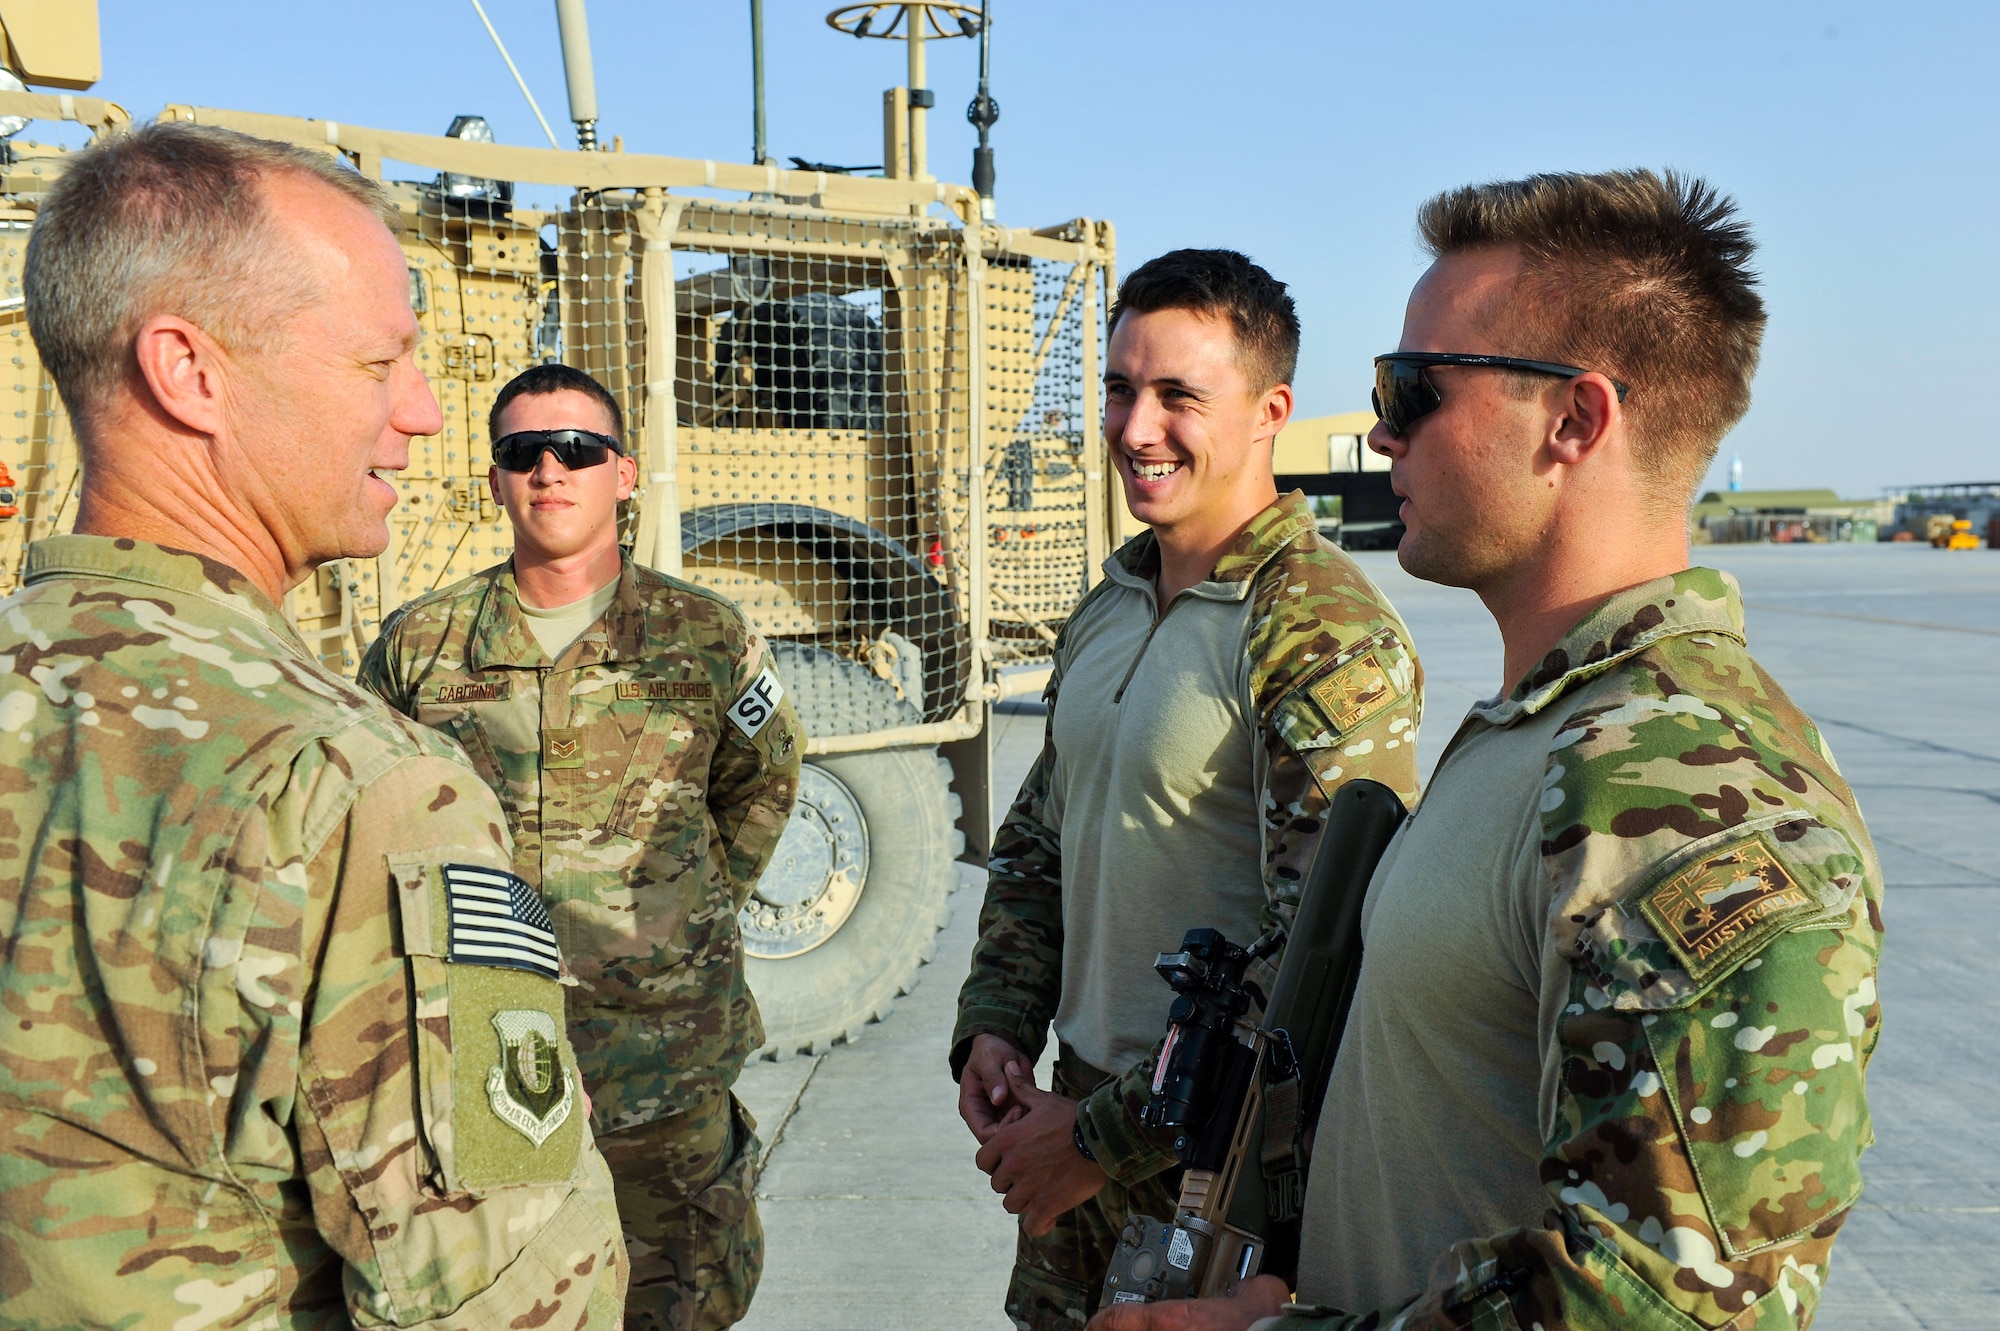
(1210, 694)
(258, 1067)
(640, 741)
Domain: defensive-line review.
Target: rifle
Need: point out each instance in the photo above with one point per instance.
(1243, 1094)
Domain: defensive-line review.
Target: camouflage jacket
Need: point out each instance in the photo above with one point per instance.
(647, 777)
(1336, 694)
(256, 1071)
(1716, 901)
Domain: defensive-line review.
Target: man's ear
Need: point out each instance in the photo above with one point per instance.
(183, 369)
(1274, 410)
(493, 487)
(1589, 414)
(628, 476)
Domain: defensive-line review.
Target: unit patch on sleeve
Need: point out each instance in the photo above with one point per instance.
(529, 1088)
(1724, 904)
(1355, 692)
(498, 919)
(675, 690)
(758, 703)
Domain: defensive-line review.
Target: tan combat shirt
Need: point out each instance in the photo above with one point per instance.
(282, 1040)
(1191, 753)
(647, 775)
(1606, 1061)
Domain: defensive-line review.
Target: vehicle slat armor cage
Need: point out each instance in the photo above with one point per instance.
(874, 429)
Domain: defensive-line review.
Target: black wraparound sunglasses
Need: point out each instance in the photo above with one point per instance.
(1404, 394)
(575, 449)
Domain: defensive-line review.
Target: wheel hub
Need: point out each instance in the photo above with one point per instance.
(816, 875)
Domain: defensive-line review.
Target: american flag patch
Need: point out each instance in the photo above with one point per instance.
(497, 919)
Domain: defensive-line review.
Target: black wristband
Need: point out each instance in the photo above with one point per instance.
(1082, 1146)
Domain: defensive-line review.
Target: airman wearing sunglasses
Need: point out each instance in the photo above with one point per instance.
(641, 744)
(1605, 1062)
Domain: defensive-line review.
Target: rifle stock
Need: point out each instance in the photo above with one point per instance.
(1310, 1001)
(1240, 1215)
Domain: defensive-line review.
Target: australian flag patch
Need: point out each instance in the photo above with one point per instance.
(498, 919)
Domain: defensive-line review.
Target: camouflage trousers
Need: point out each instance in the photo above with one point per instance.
(1059, 1277)
(684, 1185)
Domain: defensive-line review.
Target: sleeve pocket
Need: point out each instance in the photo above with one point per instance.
(1764, 1073)
(1340, 700)
(499, 1100)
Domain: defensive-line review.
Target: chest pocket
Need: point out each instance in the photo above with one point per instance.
(666, 772)
(504, 767)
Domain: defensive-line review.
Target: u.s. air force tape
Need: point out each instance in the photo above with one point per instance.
(759, 703)
(497, 919)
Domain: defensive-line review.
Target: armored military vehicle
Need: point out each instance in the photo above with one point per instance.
(863, 410)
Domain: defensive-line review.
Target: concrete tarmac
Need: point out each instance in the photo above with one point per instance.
(876, 1218)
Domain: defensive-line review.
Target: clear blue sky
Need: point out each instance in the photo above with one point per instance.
(1856, 137)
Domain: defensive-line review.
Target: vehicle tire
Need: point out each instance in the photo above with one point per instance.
(849, 909)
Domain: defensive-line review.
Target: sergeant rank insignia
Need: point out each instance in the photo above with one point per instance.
(1709, 910)
(529, 1089)
(562, 748)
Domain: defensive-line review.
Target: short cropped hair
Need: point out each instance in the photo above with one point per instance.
(1221, 284)
(168, 219)
(537, 380)
(1644, 278)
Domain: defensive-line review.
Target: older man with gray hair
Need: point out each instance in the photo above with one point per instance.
(284, 1039)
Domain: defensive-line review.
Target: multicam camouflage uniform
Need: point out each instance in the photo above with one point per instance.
(255, 1069)
(1335, 695)
(647, 777)
(1713, 923)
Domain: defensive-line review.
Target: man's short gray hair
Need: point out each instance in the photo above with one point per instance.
(167, 219)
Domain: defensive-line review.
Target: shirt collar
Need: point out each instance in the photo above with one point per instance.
(1137, 563)
(181, 571)
(1695, 600)
(500, 635)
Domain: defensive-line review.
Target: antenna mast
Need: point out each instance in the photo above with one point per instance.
(984, 112)
(577, 70)
(760, 150)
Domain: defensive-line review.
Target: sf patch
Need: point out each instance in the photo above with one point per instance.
(759, 703)
(1725, 904)
(1355, 693)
